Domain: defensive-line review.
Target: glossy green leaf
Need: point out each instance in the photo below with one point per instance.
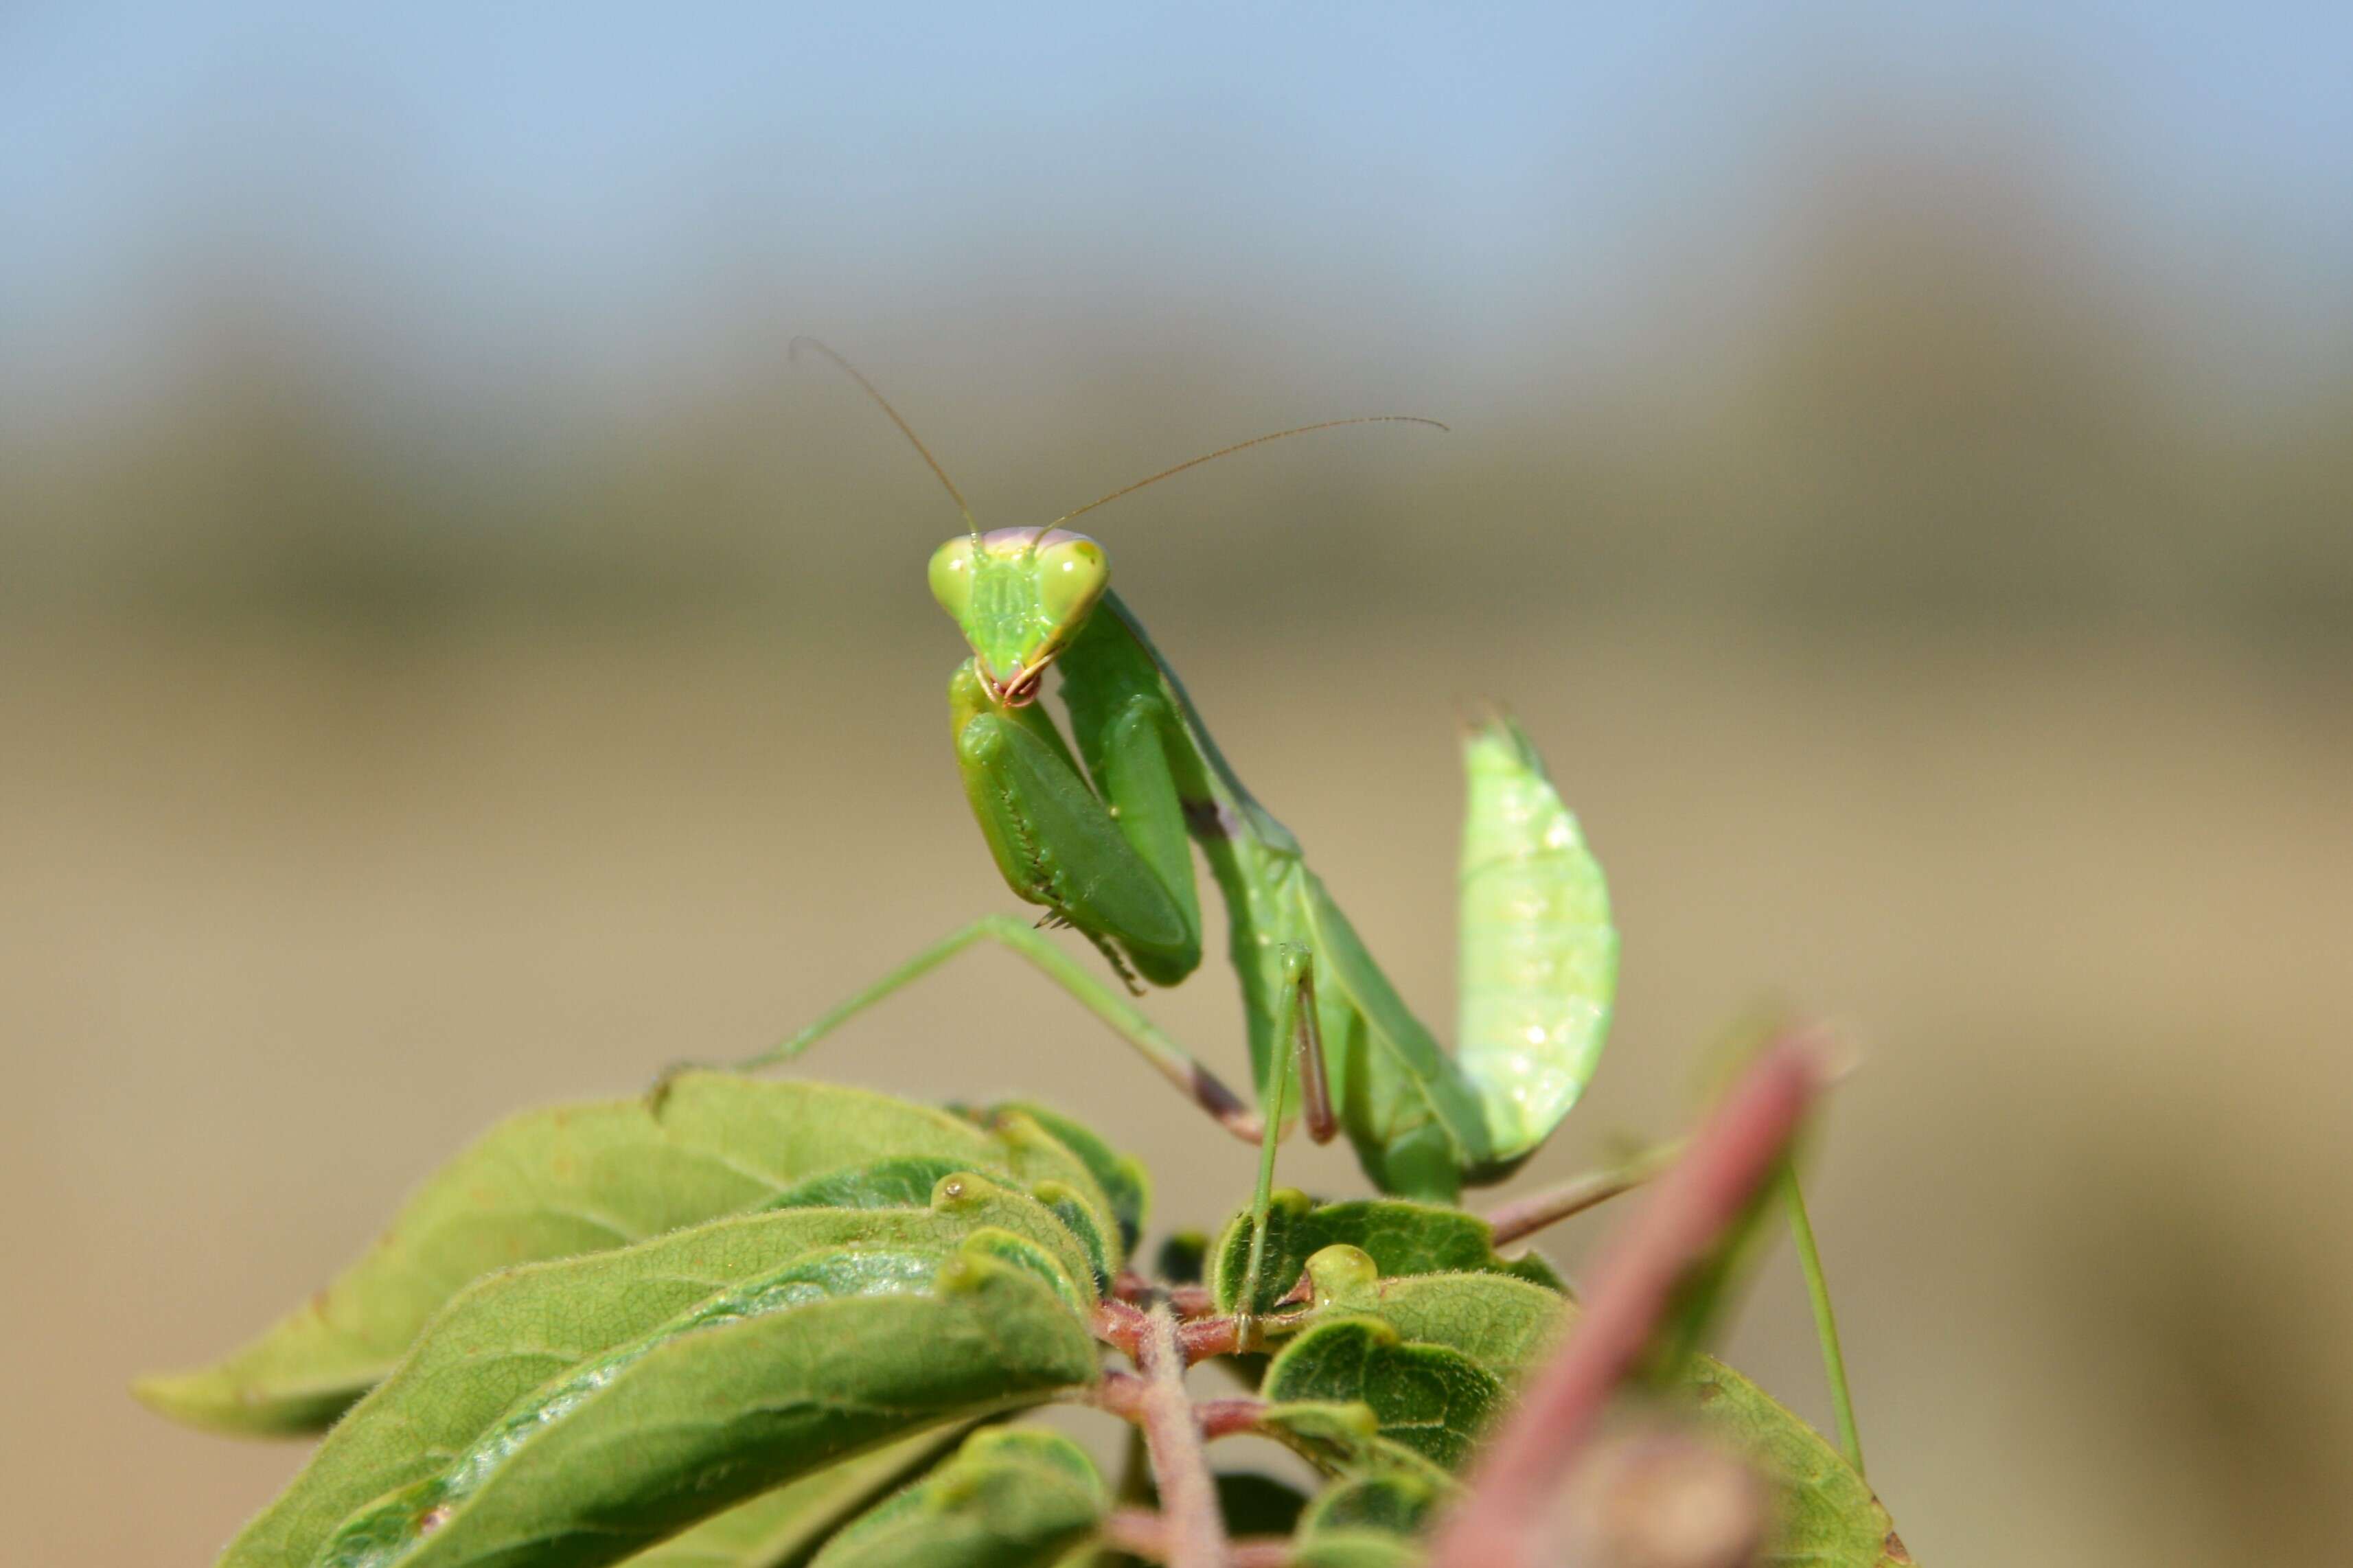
(1506, 1324)
(702, 1420)
(1432, 1399)
(785, 1528)
(515, 1331)
(1829, 1515)
(1009, 1499)
(1401, 1238)
(1125, 1183)
(552, 1183)
(1343, 1439)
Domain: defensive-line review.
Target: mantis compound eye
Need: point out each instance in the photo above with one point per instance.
(951, 576)
(1071, 575)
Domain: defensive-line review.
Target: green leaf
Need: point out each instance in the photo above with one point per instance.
(1026, 1255)
(1401, 1238)
(1043, 1163)
(1399, 1503)
(903, 1182)
(1082, 1219)
(1506, 1324)
(1009, 1499)
(1829, 1515)
(515, 1331)
(1343, 1439)
(1357, 1549)
(1432, 1399)
(1367, 1520)
(586, 1474)
(1537, 1269)
(550, 1183)
(1126, 1184)
(785, 1528)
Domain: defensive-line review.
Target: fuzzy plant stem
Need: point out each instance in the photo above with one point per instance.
(1195, 1531)
(1740, 1149)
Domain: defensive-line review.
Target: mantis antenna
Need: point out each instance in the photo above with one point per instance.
(795, 347)
(1239, 446)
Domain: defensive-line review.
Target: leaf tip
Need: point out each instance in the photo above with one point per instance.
(211, 1400)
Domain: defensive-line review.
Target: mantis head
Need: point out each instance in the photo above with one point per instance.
(1019, 594)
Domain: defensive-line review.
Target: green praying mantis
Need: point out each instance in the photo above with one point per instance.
(1100, 829)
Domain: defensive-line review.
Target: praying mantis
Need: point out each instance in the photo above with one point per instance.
(1100, 830)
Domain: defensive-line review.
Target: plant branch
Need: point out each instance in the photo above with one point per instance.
(1195, 1530)
(1190, 1300)
(1524, 1216)
(1121, 1393)
(1202, 1338)
(1119, 1325)
(1738, 1149)
(1228, 1417)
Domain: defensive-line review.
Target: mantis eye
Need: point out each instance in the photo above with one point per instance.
(951, 576)
(1071, 575)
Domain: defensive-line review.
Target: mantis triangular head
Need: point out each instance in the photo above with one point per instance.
(1021, 595)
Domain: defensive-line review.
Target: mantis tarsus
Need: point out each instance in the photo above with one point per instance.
(1102, 835)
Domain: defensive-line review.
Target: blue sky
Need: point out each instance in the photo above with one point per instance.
(461, 180)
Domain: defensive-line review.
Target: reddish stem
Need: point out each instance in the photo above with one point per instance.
(1228, 1417)
(1119, 1325)
(1121, 1393)
(1739, 1147)
(1190, 1300)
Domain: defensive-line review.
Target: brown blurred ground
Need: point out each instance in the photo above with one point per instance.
(1925, 658)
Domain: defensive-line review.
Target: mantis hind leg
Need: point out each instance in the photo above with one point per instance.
(1171, 1061)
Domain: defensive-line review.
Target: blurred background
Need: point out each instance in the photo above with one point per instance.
(1902, 471)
